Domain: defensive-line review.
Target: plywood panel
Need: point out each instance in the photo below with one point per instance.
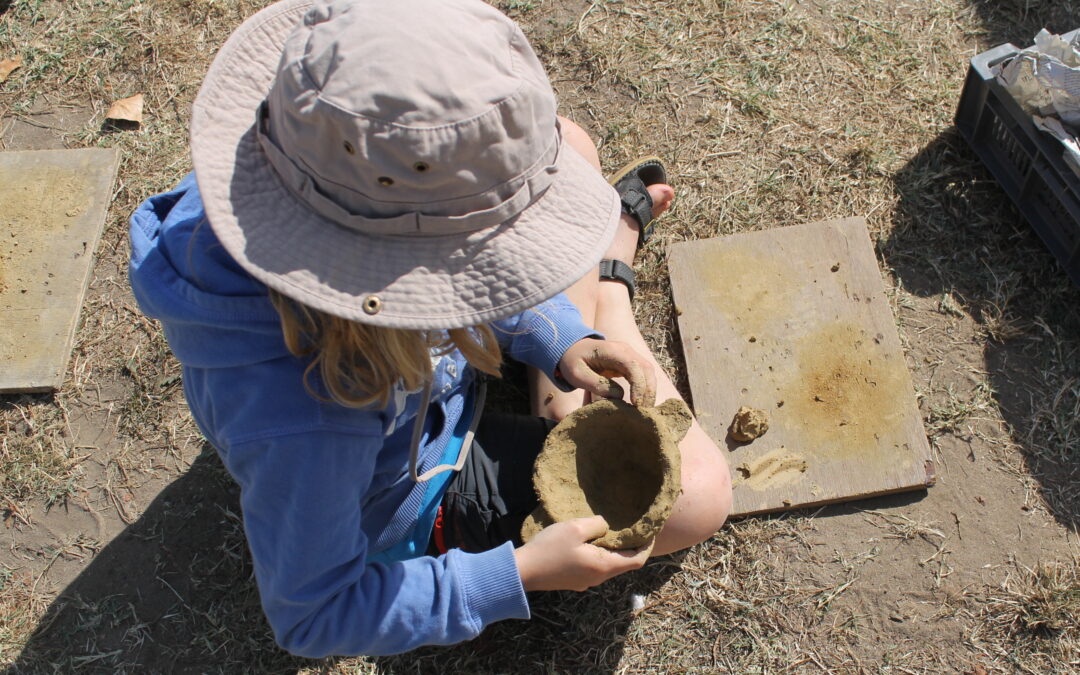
(52, 210)
(794, 321)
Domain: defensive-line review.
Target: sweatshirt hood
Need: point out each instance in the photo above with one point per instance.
(215, 314)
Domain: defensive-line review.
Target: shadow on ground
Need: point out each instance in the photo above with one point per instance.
(958, 239)
(568, 633)
(171, 592)
(174, 592)
(1017, 21)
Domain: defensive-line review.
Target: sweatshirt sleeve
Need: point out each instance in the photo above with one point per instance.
(302, 516)
(541, 335)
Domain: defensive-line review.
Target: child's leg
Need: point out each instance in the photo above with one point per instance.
(706, 481)
(545, 398)
(548, 400)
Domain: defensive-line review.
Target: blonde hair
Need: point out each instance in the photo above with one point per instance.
(360, 364)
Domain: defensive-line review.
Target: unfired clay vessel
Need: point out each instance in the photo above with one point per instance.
(616, 460)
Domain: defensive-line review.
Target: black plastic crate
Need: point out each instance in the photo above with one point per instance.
(1028, 163)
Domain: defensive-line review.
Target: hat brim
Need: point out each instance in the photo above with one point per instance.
(421, 282)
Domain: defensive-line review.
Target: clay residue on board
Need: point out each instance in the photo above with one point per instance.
(848, 395)
(750, 290)
(39, 203)
(773, 469)
(748, 424)
(615, 460)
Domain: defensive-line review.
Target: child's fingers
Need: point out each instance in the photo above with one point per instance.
(626, 560)
(591, 364)
(621, 359)
(641, 552)
(603, 386)
(594, 379)
(591, 527)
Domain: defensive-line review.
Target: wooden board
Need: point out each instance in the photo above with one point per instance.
(52, 210)
(794, 321)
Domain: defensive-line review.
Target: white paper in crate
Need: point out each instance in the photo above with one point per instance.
(1045, 80)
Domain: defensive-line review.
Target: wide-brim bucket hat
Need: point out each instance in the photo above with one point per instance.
(395, 163)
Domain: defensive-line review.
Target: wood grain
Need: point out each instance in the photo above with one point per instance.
(794, 321)
(52, 210)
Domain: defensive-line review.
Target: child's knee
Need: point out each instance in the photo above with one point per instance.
(705, 502)
(707, 476)
(722, 508)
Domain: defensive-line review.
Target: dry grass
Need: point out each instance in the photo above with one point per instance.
(1031, 620)
(34, 460)
(80, 56)
(769, 113)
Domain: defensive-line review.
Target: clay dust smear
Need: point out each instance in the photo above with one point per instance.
(754, 292)
(773, 469)
(847, 394)
(39, 204)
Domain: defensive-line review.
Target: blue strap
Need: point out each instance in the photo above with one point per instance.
(415, 545)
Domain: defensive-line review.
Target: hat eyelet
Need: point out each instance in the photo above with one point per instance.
(349, 148)
(421, 167)
(372, 304)
(386, 181)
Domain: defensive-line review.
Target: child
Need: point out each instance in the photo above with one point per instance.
(386, 203)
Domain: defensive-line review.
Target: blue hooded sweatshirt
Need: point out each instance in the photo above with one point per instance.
(325, 489)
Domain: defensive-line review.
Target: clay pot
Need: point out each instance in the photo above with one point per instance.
(616, 460)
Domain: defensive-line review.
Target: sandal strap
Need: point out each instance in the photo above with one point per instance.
(632, 182)
(638, 204)
(617, 270)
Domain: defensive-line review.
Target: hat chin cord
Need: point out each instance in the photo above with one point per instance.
(466, 443)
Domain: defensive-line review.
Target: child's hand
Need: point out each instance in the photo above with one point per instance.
(590, 364)
(560, 559)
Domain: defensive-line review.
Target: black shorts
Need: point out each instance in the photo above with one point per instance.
(487, 501)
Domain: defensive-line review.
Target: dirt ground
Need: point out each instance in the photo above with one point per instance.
(124, 549)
